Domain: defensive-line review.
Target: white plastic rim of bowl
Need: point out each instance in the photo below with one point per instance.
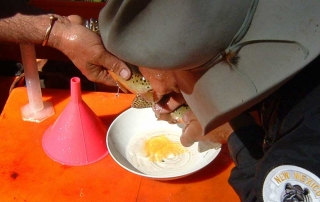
(141, 121)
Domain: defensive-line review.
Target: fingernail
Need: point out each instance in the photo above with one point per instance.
(157, 108)
(124, 73)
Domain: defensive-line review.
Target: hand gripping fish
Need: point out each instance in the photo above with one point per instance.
(138, 85)
(141, 87)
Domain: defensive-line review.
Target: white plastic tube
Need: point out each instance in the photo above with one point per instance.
(28, 55)
(36, 110)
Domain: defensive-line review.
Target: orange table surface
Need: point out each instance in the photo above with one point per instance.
(28, 174)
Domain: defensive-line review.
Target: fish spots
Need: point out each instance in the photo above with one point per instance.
(139, 103)
(140, 80)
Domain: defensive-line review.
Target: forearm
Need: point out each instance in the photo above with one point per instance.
(68, 35)
(24, 28)
(245, 146)
(21, 23)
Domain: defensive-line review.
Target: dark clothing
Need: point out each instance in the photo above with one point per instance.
(290, 135)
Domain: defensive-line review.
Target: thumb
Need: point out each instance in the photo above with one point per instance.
(192, 130)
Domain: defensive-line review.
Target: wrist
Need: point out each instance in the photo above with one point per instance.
(52, 19)
(55, 36)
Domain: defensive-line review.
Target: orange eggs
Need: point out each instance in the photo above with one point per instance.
(159, 148)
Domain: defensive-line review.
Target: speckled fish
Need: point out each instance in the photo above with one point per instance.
(138, 85)
(175, 116)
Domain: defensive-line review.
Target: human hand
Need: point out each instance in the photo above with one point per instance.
(192, 131)
(168, 98)
(86, 50)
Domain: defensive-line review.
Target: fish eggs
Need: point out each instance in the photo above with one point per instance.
(159, 148)
(160, 153)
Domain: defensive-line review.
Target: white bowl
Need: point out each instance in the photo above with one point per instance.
(127, 135)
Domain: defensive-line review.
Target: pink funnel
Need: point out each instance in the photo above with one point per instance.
(78, 137)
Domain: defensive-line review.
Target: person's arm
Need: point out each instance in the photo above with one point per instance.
(21, 28)
(84, 47)
(245, 147)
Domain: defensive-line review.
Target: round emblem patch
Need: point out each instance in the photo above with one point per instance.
(289, 183)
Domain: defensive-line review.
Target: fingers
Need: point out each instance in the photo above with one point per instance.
(101, 63)
(98, 74)
(193, 132)
(169, 103)
(220, 134)
(115, 65)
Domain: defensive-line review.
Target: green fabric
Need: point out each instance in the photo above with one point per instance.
(170, 34)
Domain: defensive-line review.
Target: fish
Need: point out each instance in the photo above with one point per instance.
(176, 116)
(140, 86)
(137, 85)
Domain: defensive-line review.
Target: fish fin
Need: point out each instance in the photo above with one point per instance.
(140, 103)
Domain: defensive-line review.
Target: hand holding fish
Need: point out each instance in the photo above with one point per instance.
(171, 108)
(175, 109)
(93, 60)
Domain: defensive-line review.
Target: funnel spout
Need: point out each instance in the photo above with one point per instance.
(75, 90)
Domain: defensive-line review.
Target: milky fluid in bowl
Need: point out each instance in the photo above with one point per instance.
(168, 157)
(134, 128)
